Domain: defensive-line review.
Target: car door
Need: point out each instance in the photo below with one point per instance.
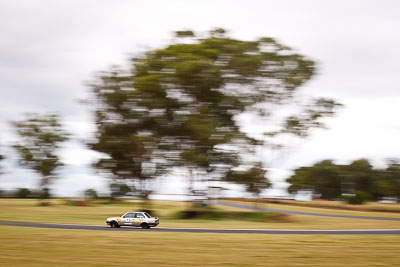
(128, 219)
(139, 217)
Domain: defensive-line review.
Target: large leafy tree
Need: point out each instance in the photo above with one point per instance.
(254, 179)
(39, 138)
(179, 104)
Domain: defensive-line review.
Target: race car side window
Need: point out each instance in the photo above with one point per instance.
(139, 215)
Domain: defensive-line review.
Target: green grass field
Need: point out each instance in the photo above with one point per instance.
(51, 247)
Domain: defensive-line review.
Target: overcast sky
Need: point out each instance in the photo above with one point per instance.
(50, 49)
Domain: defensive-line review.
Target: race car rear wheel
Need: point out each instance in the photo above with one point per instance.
(145, 226)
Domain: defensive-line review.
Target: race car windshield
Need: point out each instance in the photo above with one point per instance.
(147, 215)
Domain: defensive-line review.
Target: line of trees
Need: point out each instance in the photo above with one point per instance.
(357, 179)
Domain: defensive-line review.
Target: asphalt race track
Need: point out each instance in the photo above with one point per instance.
(198, 230)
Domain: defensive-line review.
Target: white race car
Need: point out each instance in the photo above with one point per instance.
(134, 218)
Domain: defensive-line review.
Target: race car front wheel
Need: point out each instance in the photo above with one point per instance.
(114, 225)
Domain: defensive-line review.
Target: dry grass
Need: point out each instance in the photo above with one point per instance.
(51, 247)
(22, 246)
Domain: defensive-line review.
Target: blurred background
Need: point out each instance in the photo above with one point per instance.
(73, 64)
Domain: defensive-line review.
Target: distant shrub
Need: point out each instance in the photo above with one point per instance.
(188, 214)
(45, 193)
(119, 190)
(91, 193)
(23, 193)
(215, 214)
(78, 202)
(358, 198)
(281, 217)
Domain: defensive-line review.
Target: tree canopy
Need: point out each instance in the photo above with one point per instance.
(254, 179)
(39, 138)
(178, 105)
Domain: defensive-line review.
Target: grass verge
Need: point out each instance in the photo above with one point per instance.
(51, 247)
(338, 205)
